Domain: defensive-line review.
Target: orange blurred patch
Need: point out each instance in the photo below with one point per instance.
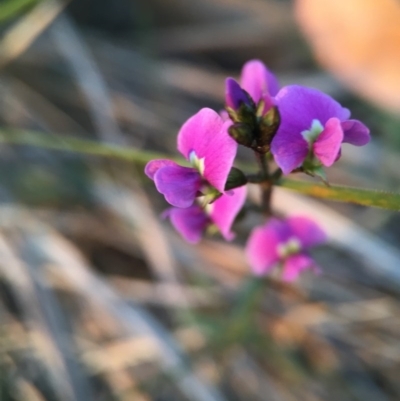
(358, 41)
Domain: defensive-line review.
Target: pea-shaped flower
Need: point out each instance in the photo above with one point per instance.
(195, 220)
(285, 243)
(312, 129)
(204, 141)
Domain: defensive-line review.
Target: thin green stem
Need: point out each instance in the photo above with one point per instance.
(255, 178)
(262, 161)
(360, 196)
(266, 184)
(78, 145)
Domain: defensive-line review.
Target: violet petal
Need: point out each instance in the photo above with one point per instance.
(178, 184)
(190, 222)
(306, 231)
(234, 94)
(299, 106)
(154, 165)
(289, 150)
(355, 132)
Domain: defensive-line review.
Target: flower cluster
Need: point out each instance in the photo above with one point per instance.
(301, 129)
(198, 192)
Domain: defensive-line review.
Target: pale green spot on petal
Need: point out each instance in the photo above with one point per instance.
(197, 163)
(290, 247)
(312, 134)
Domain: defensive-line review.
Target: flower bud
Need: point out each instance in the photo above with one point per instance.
(268, 127)
(242, 134)
(235, 96)
(239, 105)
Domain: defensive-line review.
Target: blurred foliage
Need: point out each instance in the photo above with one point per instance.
(10, 9)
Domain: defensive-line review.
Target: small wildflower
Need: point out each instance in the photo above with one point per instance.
(195, 220)
(204, 141)
(285, 243)
(312, 129)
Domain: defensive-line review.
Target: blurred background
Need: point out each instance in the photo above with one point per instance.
(99, 298)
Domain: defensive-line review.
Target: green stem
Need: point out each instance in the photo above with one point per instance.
(262, 161)
(266, 184)
(255, 178)
(360, 196)
(77, 145)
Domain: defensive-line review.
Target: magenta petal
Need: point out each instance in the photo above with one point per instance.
(154, 165)
(178, 184)
(190, 222)
(257, 80)
(226, 208)
(306, 231)
(294, 265)
(262, 248)
(289, 151)
(224, 115)
(327, 146)
(355, 132)
(207, 135)
(234, 94)
(268, 103)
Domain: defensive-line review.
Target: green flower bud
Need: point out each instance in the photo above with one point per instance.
(242, 134)
(268, 127)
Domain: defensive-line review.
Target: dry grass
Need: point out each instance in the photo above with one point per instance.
(101, 300)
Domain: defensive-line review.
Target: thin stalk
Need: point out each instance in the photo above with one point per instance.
(266, 184)
(360, 196)
(78, 145)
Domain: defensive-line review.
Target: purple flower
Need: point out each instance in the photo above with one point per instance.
(312, 129)
(284, 242)
(193, 221)
(257, 81)
(204, 141)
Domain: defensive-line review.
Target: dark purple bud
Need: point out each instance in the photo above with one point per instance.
(235, 96)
